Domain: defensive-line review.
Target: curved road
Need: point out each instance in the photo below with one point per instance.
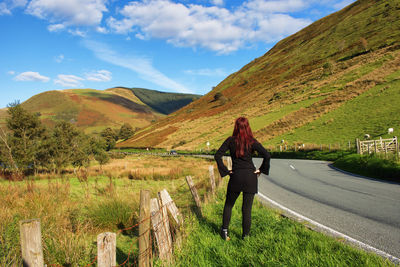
(365, 209)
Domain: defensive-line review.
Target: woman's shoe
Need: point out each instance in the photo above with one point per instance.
(224, 234)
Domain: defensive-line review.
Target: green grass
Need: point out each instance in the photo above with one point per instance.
(274, 241)
(260, 122)
(371, 166)
(373, 112)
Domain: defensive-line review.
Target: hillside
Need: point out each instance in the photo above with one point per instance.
(93, 110)
(335, 80)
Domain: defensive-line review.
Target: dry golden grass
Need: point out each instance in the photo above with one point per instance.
(73, 211)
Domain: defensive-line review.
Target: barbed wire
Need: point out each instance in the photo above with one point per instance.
(164, 221)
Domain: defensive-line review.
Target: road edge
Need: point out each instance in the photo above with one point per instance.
(322, 228)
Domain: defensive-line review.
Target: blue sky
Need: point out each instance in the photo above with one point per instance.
(174, 46)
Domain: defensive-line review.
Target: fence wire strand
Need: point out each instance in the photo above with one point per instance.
(162, 222)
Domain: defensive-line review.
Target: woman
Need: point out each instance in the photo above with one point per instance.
(244, 175)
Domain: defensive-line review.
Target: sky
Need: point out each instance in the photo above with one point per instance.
(186, 46)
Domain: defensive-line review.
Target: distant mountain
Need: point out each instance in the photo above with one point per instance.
(93, 110)
(333, 81)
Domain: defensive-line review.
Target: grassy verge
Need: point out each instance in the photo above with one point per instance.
(73, 212)
(371, 166)
(312, 154)
(274, 241)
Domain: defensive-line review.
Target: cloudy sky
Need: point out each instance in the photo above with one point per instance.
(167, 45)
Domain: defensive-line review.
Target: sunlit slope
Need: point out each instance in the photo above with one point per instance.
(300, 89)
(91, 110)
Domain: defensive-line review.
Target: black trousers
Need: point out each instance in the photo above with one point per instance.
(246, 210)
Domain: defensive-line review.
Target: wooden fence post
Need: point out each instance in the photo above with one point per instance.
(166, 201)
(212, 178)
(375, 148)
(144, 229)
(31, 243)
(194, 193)
(165, 223)
(106, 249)
(159, 230)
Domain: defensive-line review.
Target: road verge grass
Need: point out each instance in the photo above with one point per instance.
(371, 166)
(274, 241)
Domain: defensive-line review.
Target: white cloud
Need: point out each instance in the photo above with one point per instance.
(99, 76)
(77, 32)
(55, 27)
(68, 80)
(215, 28)
(4, 10)
(207, 72)
(217, 2)
(276, 5)
(8, 5)
(343, 4)
(11, 72)
(140, 65)
(59, 58)
(101, 30)
(70, 12)
(30, 76)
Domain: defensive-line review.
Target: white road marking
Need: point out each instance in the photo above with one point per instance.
(291, 166)
(332, 231)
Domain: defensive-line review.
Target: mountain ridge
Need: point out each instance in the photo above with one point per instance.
(299, 81)
(93, 110)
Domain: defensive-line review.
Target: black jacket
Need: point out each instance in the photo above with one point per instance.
(243, 177)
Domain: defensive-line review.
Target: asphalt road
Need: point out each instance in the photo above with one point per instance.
(365, 209)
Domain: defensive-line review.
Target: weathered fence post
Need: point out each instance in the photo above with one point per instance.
(166, 201)
(212, 178)
(144, 229)
(31, 243)
(106, 249)
(194, 193)
(159, 230)
(165, 223)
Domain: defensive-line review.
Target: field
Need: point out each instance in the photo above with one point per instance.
(73, 213)
(73, 210)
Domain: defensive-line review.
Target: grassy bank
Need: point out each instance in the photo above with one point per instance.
(371, 166)
(274, 241)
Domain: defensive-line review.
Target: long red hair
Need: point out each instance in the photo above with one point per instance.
(243, 136)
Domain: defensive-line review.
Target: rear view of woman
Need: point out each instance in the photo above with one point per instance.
(244, 175)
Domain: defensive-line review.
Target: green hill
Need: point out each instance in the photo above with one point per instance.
(335, 80)
(93, 110)
(164, 102)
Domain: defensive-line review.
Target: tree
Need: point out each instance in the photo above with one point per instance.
(24, 139)
(98, 146)
(126, 131)
(110, 137)
(65, 144)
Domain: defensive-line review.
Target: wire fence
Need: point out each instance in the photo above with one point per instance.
(157, 238)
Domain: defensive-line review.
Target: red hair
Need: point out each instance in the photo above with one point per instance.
(243, 136)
